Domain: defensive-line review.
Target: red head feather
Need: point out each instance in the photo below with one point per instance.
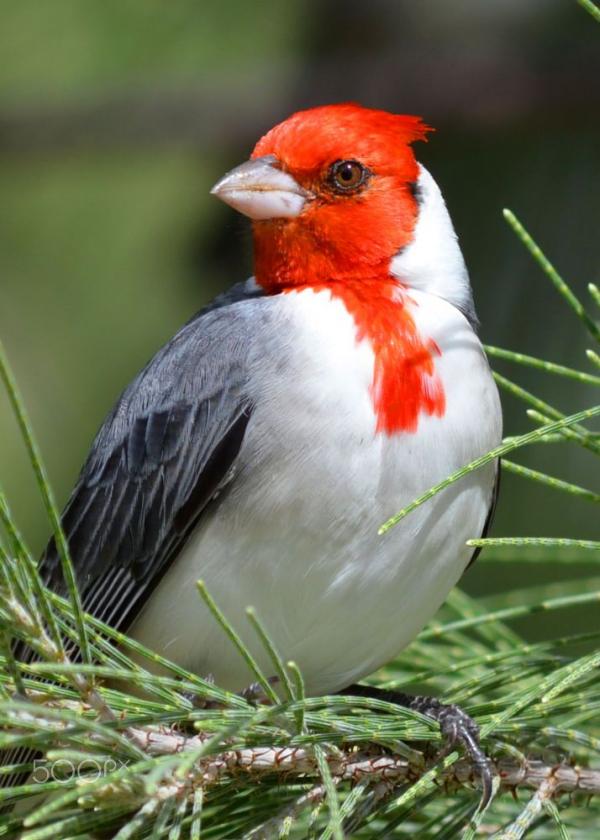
(340, 236)
(344, 243)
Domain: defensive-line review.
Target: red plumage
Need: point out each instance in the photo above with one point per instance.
(344, 243)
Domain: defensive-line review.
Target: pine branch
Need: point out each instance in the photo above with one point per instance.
(356, 766)
(311, 766)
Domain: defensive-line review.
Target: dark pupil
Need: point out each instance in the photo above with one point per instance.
(347, 174)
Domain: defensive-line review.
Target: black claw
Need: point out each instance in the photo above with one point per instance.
(457, 728)
(255, 693)
(197, 700)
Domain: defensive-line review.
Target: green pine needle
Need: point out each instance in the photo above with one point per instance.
(529, 698)
(43, 483)
(549, 270)
(550, 481)
(235, 638)
(498, 452)
(269, 646)
(541, 364)
(591, 7)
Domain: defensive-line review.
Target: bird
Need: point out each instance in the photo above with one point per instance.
(264, 445)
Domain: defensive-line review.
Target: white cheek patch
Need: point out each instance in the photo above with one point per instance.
(433, 261)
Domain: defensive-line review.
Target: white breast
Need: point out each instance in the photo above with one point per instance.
(295, 536)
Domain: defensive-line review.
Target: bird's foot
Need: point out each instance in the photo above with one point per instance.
(255, 693)
(200, 701)
(457, 729)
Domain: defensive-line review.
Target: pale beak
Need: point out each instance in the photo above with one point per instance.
(261, 191)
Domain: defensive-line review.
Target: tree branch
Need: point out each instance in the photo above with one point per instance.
(359, 765)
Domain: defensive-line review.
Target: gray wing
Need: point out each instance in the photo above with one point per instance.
(157, 461)
(164, 450)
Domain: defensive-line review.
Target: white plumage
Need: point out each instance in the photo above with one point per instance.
(295, 536)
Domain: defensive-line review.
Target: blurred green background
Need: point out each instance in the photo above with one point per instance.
(116, 117)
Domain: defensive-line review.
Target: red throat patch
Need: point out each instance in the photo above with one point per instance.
(343, 242)
(405, 383)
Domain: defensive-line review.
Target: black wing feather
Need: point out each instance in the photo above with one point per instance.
(157, 461)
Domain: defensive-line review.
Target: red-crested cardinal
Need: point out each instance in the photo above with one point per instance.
(264, 445)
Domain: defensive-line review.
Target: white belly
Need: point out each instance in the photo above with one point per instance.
(295, 535)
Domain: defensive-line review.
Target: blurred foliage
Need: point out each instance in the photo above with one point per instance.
(115, 120)
(67, 48)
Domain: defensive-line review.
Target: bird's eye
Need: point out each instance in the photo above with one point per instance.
(348, 175)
